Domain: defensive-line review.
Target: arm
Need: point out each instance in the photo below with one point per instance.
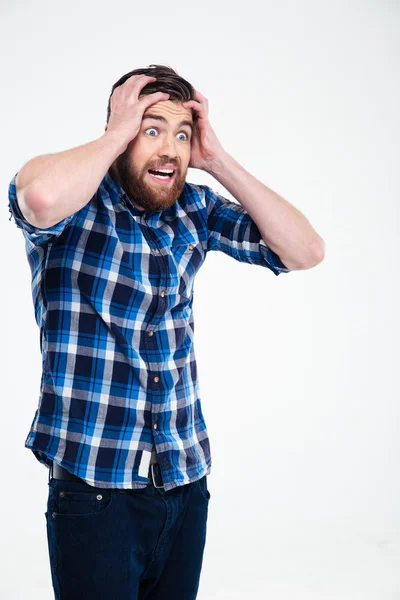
(282, 226)
(232, 230)
(284, 229)
(54, 186)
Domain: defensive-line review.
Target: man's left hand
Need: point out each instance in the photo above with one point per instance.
(205, 146)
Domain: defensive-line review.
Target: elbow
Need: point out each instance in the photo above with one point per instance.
(34, 208)
(314, 256)
(316, 253)
(320, 249)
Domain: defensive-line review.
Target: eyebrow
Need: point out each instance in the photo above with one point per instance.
(164, 120)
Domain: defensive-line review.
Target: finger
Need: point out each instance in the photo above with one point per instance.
(201, 98)
(137, 80)
(149, 99)
(197, 93)
(193, 104)
(133, 84)
(142, 82)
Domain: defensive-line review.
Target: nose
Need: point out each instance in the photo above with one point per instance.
(168, 147)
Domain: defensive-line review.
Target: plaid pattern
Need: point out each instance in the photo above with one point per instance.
(112, 288)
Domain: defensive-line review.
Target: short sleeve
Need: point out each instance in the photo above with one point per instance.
(232, 230)
(36, 235)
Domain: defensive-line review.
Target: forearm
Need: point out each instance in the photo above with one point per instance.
(282, 226)
(60, 184)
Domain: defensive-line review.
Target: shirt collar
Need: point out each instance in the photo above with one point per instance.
(117, 194)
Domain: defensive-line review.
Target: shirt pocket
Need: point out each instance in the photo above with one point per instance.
(187, 257)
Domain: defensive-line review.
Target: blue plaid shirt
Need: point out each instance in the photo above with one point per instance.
(112, 288)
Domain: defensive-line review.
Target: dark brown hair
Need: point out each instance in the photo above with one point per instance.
(168, 81)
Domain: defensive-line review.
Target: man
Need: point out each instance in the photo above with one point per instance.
(115, 236)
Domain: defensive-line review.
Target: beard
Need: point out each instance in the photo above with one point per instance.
(145, 194)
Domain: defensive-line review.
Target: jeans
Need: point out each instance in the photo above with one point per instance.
(115, 544)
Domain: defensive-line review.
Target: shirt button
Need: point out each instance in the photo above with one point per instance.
(191, 246)
(156, 379)
(155, 426)
(163, 293)
(156, 250)
(151, 333)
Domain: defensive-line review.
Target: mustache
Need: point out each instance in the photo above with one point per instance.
(162, 165)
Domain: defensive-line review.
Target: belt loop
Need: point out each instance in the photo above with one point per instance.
(157, 467)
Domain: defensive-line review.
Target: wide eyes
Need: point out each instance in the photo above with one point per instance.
(186, 137)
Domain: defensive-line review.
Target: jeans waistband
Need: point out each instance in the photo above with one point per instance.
(59, 472)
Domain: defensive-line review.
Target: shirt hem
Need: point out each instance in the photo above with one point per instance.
(45, 458)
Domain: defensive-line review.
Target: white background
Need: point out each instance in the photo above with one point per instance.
(297, 372)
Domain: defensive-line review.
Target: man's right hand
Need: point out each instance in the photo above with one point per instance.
(126, 109)
(54, 186)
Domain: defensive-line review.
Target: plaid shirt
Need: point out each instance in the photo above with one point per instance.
(112, 288)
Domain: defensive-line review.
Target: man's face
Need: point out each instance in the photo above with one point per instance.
(164, 142)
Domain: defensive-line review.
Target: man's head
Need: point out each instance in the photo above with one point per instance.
(163, 141)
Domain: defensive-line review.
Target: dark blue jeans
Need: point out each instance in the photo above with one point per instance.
(114, 544)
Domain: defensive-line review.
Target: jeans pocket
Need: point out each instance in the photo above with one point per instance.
(77, 500)
(202, 483)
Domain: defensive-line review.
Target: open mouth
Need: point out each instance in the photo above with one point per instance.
(162, 175)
